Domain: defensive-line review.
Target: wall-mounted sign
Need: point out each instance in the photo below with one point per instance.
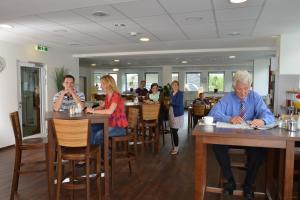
(40, 47)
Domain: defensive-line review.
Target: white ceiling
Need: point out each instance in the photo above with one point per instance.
(180, 25)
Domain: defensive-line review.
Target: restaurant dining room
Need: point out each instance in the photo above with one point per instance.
(150, 99)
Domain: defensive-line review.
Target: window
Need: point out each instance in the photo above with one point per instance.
(96, 81)
(216, 81)
(115, 76)
(192, 81)
(132, 81)
(151, 78)
(175, 76)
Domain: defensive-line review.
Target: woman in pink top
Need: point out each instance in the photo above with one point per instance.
(113, 105)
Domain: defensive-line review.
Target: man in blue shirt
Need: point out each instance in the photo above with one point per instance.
(241, 105)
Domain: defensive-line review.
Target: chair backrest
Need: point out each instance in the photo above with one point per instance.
(15, 122)
(199, 110)
(150, 111)
(72, 133)
(132, 117)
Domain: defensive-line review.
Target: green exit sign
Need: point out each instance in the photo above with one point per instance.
(40, 47)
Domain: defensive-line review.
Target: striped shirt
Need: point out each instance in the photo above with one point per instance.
(68, 101)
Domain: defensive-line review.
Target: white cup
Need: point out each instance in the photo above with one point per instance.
(208, 119)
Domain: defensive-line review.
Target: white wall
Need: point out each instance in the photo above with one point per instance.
(289, 54)
(8, 79)
(261, 76)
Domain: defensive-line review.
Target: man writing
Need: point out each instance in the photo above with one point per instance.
(68, 97)
(242, 105)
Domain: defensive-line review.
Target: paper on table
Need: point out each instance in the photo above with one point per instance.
(243, 125)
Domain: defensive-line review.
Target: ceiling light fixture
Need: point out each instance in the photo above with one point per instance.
(120, 25)
(115, 69)
(231, 57)
(100, 14)
(237, 1)
(184, 62)
(116, 60)
(144, 39)
(134, 33)
(5, 26)
(234, 33)
(93, 64)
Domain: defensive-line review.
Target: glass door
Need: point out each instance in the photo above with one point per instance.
(30, 98)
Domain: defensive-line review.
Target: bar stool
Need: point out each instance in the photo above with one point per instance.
(21, 145)
(120, 145)
(73, 144)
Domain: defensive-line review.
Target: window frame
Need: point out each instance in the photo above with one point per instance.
(216, 72)
(186, 75)
(126, 85)
(145, 75)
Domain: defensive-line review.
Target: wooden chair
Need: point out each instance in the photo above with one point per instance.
(198, 112)
(73, 144)
(27, 144)
(149, 122)
(120, 145)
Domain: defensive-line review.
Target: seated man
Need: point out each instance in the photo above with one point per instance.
(241, 105)
(68, 97)
(142, 91)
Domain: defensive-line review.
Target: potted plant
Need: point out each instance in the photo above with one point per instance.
(60, 72)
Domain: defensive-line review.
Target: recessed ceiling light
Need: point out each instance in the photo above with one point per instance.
(5, 26)
(231, 57)
(93, 64)
(116, 60)
(129, 63)
(184, 62)
(237, 1)
(100, 14)
(193, 19)
(234, 33)
(134, 33)
(120, 25)
(144, 39)
(115, 69)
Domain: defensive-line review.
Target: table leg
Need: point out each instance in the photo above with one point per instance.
(50, 160)
(289, 170)
(200, 168)
(106, 161)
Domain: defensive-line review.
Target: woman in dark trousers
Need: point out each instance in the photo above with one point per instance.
(176, 114)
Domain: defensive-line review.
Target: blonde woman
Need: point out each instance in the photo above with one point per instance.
(176, 114)
(113, 105)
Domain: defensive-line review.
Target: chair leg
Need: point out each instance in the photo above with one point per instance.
(130, 169)
(98, 171)
(16, 174)
(87, 171)
(59, 176)
(112, 168)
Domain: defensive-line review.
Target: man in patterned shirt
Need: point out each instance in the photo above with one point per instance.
(68, 97)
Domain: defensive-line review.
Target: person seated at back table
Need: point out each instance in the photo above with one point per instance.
(155, 96)
(236, 107)
(199, 101)
(142, 91)
(69, 96)
(113, 105)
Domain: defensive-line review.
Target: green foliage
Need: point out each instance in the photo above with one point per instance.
(60, 72)
(216, 82)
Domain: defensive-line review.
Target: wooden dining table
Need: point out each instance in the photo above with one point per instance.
(273, 138)
(95, 118)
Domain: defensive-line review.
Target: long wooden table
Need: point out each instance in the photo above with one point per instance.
(95, 118)
(272, 138)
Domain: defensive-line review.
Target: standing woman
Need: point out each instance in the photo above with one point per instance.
(113, 105)
(176, 114)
